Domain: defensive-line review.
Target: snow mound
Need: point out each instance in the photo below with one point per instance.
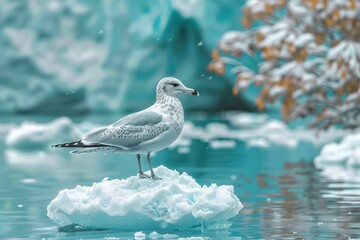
(35, 136)
(175, 202)
(346, 152)
(254, 131)
(39, 136)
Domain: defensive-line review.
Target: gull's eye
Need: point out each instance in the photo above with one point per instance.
(175, 84)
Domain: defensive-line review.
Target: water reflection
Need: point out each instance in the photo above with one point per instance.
(284, 194)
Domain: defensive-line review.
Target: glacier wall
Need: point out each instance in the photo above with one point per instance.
(79, 56)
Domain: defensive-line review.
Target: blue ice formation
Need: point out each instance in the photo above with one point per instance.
(175, 202)
(78, 56)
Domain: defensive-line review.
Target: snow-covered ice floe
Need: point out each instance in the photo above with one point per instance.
(31, 135)
(38, 136)
(175, 202)
(346, 152)
(341, 161)
(255, 130)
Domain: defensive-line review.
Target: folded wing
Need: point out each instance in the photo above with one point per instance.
(130, 131)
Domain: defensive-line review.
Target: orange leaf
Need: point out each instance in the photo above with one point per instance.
(287, 107)
(215, 54)
(268, 8)
(235, 90)
(326, 3)
(281, 3)
(340, 62)
(329, 21)
(344, 73)
(246, 21)
(260, 103)
(313, 4)
(259, 37)
(352, 4)
(339, 91)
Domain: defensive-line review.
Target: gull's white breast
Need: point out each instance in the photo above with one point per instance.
(173, 115)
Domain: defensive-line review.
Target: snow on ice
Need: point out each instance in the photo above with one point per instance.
(176, 201)
(346, 152)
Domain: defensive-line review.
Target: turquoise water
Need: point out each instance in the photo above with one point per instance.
(284, 195)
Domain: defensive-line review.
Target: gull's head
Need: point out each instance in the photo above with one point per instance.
(174, 87)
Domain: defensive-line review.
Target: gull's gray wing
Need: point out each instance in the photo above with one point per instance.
(143, 118)
(129, 131)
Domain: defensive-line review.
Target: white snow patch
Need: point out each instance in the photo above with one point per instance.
(155, 235)
(39, 136)
(341, 161)
(246, 119)
(258, 142)
(139, 235)
(183, 150)
(346, 152)
(218, 144)
(28, 180)
(34, 136)
(256, 131)
(174, 202)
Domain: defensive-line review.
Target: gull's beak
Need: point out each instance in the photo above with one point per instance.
(193, 92)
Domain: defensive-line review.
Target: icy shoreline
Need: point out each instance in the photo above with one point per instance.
(175, 202)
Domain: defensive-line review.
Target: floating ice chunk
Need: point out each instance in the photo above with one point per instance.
(28, 180)
(347, 151)
(341, 161)
(255, 131)
(174, 202)
(139, 235)
(246, 119)
(155, 235)
(183, 150)
(258, 142)
(39, 136)
(218, 144)
(36, 136)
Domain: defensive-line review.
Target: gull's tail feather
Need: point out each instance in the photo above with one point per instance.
(77, 144)
(87, 150)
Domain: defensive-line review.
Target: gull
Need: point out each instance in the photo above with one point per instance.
(144, 132)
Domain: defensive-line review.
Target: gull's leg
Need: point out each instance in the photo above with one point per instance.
(151, 169)
(141, 174)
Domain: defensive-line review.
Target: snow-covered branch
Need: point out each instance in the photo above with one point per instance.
(311, 58)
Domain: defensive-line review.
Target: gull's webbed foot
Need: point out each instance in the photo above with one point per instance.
(155, 177)
(143, 175)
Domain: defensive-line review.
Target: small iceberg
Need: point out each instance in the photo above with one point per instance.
(33, 136)
(346, 152)
(175, 202)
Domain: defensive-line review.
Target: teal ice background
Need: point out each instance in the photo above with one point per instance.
(102, 55)
(94, 61)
